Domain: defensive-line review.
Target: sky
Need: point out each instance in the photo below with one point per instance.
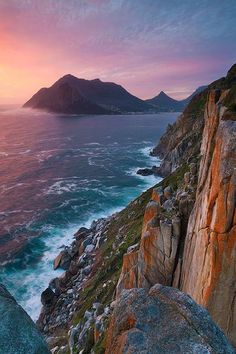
(144, 45)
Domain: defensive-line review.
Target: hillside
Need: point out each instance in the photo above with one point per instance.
(71, 95)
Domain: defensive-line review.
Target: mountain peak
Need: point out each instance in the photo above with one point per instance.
(73, 95)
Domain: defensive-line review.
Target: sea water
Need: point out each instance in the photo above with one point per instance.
(58, 173)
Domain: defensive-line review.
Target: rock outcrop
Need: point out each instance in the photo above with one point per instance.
(163, 233)
(209, 261)
(162, 320)
(18, 333)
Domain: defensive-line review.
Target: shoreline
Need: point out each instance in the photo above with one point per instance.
(91, 225)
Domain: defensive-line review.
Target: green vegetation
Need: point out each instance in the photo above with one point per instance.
(230, 101)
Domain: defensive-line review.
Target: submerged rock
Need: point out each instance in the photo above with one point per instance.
(18, 333)
(163, 320)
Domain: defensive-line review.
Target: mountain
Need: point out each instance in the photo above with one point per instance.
(165, 103)
(71, 95)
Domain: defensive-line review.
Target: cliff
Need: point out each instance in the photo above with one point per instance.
(179, 234)
(209, 259)
(18, 333)
(196, 250)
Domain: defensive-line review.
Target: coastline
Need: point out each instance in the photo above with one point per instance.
(57, 239)
(96, 225)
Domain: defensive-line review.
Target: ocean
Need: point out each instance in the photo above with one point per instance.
(58, 173)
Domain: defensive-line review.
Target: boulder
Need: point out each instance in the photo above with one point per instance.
(163, 320)
(167, 192)
(18, 333)
(82, 233)
(48, 297)
(62, 260)
(89, 248)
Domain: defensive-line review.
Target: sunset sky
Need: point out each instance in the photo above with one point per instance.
(144, 45)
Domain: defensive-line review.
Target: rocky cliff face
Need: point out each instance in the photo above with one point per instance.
(18, 333)
(182, 140)
(195, 251)
(209, 259)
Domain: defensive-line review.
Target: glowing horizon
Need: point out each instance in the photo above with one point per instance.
(146, 46)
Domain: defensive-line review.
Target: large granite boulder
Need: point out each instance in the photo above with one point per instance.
(163, 320)
(18, 333)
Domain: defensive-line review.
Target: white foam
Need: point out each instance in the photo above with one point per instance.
(93, 144)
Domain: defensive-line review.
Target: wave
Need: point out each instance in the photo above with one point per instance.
(93, 144)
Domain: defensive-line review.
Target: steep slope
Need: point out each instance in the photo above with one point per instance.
(209, 260)
(183, 138)
(196, 250)
(76, 96)
(186, 101)
(165, 103)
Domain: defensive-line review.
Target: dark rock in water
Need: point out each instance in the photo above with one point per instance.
(145, 172)
(48, 297)
(163, 320)
(18, 333)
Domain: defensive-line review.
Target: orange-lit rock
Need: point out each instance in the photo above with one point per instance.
(129, 274)
(162, 320)
(209, 262)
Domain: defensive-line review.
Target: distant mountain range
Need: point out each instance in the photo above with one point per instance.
(164, 103)
(71, 95)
